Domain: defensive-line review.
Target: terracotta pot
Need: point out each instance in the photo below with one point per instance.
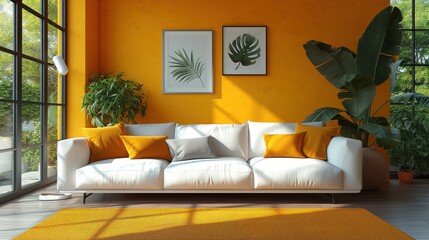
(374, 169)
(406, 176)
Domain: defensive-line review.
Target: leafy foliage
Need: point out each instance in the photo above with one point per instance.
(244, 50)
(416, 99)
(356, 75)
(111, 99)
(412, 92)
(186, 68)
(6, 124)
(31, 155)
(413, 152)
(404, 80)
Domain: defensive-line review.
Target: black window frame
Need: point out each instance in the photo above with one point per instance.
(17, 101)
(412, 63)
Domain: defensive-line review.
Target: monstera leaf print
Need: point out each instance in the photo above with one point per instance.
(244, 50)
(185, 67)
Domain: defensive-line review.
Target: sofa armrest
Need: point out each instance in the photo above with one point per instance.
(72, 154)
(346, 154)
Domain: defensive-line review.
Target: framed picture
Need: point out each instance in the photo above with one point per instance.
(244, 50)
(187, 61)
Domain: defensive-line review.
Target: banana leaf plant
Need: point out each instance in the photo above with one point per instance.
(356, 75)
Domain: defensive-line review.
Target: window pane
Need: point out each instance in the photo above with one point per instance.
(6, 126)
(54, 87)
(6, 24)
(52, 160)
(31, 34)
(54, 11)
(422, 14)
(53, 47)
(6, 172)
(31, 125)
(31, 81)
(422, 47)
(6, 76)
(422, 80)
(406, 46)
(405, 6)
(54, 123)
(30, 162)
(34, 4)
(403, 83)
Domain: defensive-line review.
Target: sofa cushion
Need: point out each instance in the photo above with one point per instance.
(258, 129)
(122, 173)
(316, 140)
(105, 142)
(229, 140)
(147, 147)
(295, 173)
(190, 148)
(151, 129)
(284, 145)
(221, 173)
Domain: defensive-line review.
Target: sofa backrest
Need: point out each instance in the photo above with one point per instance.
(258, 129)
(227, 139)
(152, 129)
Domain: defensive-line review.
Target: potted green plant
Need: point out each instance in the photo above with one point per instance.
(410, 114)
(111, 99)
(356, 75)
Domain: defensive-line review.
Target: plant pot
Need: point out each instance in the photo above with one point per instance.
(374, 169)
(406, 176)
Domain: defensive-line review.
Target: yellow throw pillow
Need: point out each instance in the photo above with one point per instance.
(316, 140)
(147, 147)
(284, 145)
(105, 142)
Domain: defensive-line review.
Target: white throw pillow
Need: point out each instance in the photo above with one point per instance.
(151, 129)
(258, 129)
(228, 140)
(191, 148)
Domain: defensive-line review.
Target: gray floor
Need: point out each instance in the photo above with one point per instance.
(404, 206)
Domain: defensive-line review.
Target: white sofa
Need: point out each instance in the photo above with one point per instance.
(238, 168)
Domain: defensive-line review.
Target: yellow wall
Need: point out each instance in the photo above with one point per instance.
(82, 58)
(130, 40)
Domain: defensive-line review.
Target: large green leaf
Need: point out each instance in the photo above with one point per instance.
(244, 50)
(357, 96)
(379, 45)
(387, 138)
(337, 65)
(324, 115)
(185, 68)
(348, 128)
(410, 98)
(379, 120)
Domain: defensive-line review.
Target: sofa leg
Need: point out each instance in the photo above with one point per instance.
(332, 197)
(86, 195)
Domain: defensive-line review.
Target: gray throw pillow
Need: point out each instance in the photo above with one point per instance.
(190, 148)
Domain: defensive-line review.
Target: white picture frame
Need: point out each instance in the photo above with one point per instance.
(233, 61)
(187, 61)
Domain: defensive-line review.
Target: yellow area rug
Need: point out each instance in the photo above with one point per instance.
(213, 223)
